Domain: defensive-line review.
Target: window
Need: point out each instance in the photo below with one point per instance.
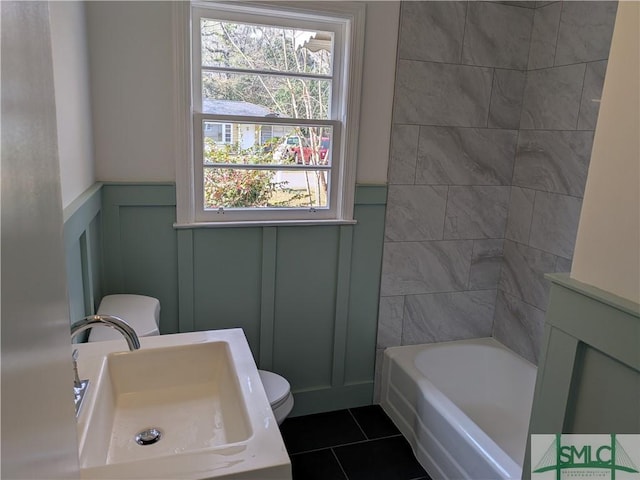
(272, 122)
(217, 132)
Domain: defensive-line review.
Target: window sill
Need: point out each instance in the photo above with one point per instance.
(262, 223)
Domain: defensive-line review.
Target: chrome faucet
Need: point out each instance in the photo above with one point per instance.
(116, 323)
(80, 387)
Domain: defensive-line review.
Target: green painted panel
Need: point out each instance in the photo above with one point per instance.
(87, 273)
(148, 245)
(583, 314)
(80, 214)
(185, 280)
(619, 303)
(366, 265)
(589, 375)
(83, 251)
(94, 256)
(554, 378)
(326, 399)
(593, 410)
(74, 281)
(267, 301)
(305, 304)
(371, 195)
(227, 280)
(277, 283)
(341, 323)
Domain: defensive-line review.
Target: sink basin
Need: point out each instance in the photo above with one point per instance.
(189, 393)
(198, 390)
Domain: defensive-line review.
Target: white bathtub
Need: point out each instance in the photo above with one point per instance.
(464, 406)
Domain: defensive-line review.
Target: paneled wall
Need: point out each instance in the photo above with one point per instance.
(590, 349)
(306, 297)
(83, 253)
(493, 120)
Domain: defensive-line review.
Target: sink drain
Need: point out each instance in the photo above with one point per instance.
(148, 436)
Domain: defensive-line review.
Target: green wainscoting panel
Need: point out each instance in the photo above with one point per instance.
(305, 296)
(140, 245)
(366, 265)
(330, 398)
(342, 304)
(227, 280)
(75, 281)
(94, 263)
(371, 195)
(186, 285)
(268, 296)
(81, 212)
(83, 249)
(589, 374)
(149, 263)
(306, 275)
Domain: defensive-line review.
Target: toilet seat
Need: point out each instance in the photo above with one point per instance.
(278, 393)
(276, 387)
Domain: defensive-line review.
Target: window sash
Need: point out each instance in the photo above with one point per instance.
(270, 16)
(269, 213)
(346, 22)
(275, 73)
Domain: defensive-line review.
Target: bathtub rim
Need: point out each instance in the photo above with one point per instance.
(477, 439)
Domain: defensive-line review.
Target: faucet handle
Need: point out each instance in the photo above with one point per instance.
(76, 381)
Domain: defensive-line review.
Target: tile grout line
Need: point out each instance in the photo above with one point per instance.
(555, 50)
(358, 424)
(348, 444)
(481, 127)
(339, 464)
(584, 82)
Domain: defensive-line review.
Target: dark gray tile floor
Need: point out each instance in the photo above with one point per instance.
(355, 444)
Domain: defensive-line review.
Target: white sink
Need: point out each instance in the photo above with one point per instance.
(200, 390)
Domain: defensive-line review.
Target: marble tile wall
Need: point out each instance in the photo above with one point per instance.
(565, 72)
(460, 80)
(494, 112)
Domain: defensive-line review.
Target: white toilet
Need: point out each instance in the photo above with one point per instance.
(279, 394)
(142, 313)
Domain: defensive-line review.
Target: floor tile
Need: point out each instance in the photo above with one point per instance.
(322, 430)
(374, 422)
(384, 459)
(317, 465)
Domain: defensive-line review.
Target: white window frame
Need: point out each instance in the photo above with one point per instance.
(346, 19)
(226, 129)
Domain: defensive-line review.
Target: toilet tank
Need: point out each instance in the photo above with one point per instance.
(142, 313)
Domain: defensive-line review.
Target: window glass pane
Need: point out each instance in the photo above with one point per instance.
(213, 131)
(255, 144)
(240, 188)
(260, 47)
(265, 95)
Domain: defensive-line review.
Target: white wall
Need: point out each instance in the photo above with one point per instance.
(132, 90)
(607, 253)
(73, 107)
(379, 71)
(38, 422)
